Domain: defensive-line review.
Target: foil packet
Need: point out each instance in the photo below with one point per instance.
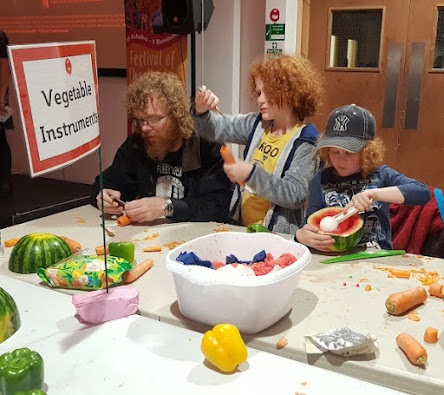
(341, 341)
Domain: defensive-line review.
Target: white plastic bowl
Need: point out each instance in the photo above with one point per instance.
(250, 303)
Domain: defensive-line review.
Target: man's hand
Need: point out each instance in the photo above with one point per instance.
(146, 209)
(239, 171)
(205, 100)
(308, 235)
(109, 205)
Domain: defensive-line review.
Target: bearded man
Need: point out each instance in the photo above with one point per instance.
(163, 169)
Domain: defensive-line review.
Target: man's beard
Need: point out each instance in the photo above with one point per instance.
(159, 148)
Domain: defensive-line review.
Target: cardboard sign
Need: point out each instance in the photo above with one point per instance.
(57, 88)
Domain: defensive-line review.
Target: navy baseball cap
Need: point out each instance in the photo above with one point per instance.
(349, 128)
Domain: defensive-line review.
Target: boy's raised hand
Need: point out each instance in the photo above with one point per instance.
(205, 100)
(308, 235)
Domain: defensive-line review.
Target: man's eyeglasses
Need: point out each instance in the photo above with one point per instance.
(151, 121)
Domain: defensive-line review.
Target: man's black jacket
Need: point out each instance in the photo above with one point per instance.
(207, 189)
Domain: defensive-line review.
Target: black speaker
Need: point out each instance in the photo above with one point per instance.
(185, 16)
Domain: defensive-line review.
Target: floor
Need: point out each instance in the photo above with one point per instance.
(33, 198)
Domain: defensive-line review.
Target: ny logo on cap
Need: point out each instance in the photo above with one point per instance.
(341, 123)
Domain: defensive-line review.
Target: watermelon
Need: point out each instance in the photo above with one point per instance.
(9, 316)
(347, 235)
(37, 250)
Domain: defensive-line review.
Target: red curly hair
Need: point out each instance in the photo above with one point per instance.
(291, 80)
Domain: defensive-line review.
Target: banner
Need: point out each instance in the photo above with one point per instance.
(147, 50)
(57, 90)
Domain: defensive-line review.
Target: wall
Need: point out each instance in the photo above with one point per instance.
(235, 36)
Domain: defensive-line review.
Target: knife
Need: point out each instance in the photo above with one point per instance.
(363, 255)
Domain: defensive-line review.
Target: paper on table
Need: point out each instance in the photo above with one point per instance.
(5, 117)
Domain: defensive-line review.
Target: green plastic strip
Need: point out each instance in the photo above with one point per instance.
(363, 255)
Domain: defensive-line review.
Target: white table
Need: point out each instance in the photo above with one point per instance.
(138, 355)
(323, 302)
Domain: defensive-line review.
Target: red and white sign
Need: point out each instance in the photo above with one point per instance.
(274, 14)
(57, 87)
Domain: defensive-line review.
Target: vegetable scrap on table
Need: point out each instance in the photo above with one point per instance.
(281, 343)
(11, 242)
(173, 244)
(80, 220)
(413, 316)
(153, 249)
(221, 228)
(148, 237)
(424, 276)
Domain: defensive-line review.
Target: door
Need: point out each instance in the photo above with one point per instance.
(386, 56)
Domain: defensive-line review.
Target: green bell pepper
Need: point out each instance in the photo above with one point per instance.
(31, 392)
(254, 228)
(20, 370)
(122, 249)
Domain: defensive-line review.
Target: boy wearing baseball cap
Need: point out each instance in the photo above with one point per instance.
(354, 175)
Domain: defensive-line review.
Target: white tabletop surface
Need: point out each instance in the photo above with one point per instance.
(323, 301)
(138, 355)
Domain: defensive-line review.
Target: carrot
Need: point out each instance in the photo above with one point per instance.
(228, 157)
(436, 289)
(100, 250)
(400, 302)
(11, 242)
(412, 349)
(281, 343)
(138, 270)
(153, 249)
(226, 154)
(400, 273)
(74, 246)
(123, 220)
(431, 335)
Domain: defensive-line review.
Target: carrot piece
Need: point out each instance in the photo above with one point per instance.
(74, 246)
(153, 249)
(11, 242)
(226, 154)
(138, 270)
(281, 343)
(123, 220)
(413, 317)
(431, 335)
(400, 273)
(101, 251)
(412, 349)
(228, 157)
(400, 302)
(435, 289)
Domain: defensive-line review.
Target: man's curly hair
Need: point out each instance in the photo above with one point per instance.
(372, 156)
(291, 80)
(165, 88)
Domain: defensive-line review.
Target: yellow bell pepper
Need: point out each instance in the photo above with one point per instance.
(224, 348)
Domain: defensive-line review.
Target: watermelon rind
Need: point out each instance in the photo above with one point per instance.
(9, 316)
(343, 241)
(37, 250)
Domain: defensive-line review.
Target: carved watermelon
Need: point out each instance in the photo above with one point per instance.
(347, 235)
(9, 316)
(37, 250)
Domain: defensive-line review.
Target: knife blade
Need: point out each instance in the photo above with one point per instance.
(363, 255)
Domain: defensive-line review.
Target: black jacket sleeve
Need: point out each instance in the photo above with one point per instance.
(210, 190)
